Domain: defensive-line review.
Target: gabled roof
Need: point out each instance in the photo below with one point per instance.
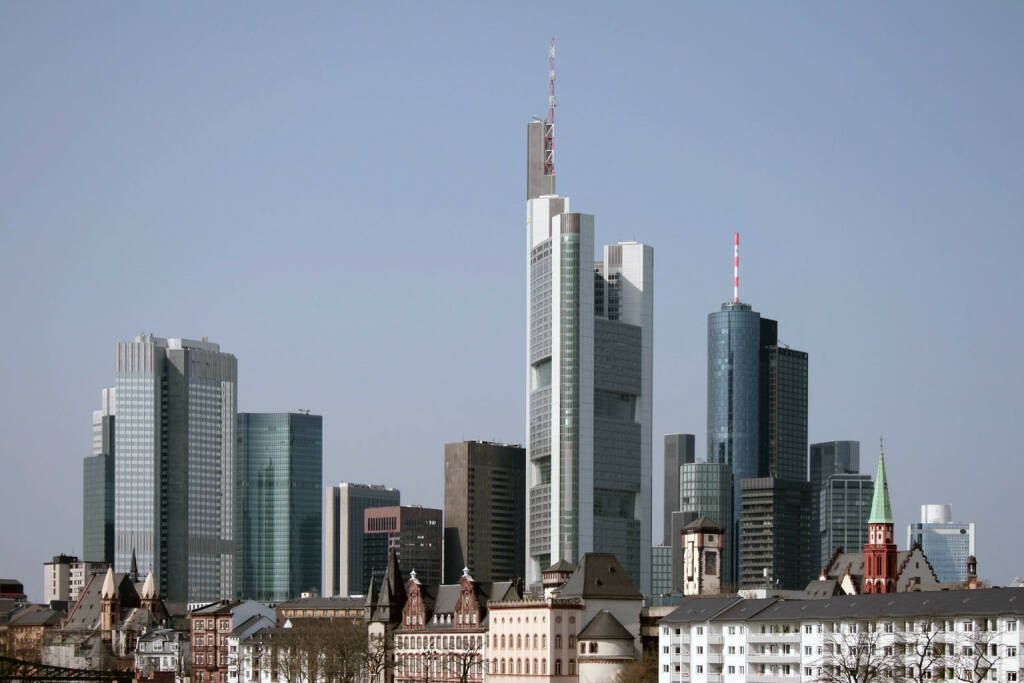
(604, 626)
(600, 576)
(745, 609)
(823, 588)
(85, 614)
(36, 617)
(561, 566)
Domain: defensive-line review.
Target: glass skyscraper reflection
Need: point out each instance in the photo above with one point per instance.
(278, 519)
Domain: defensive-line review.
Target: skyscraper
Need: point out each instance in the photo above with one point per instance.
(484, 510)
(589, 349)
(343, 561)
(98, 485)
(776, 533)
(679, 450)
(947, 543)
(757, 409)
(174, 440)
(415, 534)
(278, 518)
(840, 497)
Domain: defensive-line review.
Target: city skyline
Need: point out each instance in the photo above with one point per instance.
(873, 186)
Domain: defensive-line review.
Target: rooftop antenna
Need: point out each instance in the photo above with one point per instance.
(736, 268)
(549, 122)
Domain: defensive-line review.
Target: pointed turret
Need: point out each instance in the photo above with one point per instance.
(371, 593)
(108, 591)
(392, 593)
(881, 507)
(149, 587)
(133, 573)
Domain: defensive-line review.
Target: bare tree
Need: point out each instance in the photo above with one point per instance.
(977, 654)
(644, 670)
(379, 659)
(465, 661)
(859, 657)
(922, 652)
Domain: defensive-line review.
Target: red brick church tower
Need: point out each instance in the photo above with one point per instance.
(880, 550)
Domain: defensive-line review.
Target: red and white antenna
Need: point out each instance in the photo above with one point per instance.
(549, 123)
(736, 268)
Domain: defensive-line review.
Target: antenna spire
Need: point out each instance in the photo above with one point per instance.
(549, 123)
(736, 268)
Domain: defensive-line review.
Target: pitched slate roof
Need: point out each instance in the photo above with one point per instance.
(560, 566)
(703, 524)
(600, 576)
(986, 602)
(700, 609)
(604, 626)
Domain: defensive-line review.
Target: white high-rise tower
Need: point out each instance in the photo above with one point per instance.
(589, 350)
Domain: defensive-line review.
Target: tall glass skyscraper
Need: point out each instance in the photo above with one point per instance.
(589, 348)
(278, 521)
(98, 485)
(174, 439)
(946, 543)
(839, 515)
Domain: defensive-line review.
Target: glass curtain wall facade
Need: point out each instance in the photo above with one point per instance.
(679, 450)
(174, 469)
(278, 519)
(784, 414)
(828, 458)
(706, 489)
(589, 372)
(776, 534)
(844, 505)
(734, 415)
(98, 485)
(661, 570)
(946, 543)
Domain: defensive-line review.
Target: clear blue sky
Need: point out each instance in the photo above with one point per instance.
(335, 193)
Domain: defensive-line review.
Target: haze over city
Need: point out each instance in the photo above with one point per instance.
(335, 195)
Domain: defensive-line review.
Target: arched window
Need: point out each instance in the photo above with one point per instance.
(534, 641)
(502, 666)
(519, 642)
(879, 564)
(527, 665)
(558, 667)
(519, 666)
(535, 666)
(544, 641)
(495, 640)
(572, 667)
(494, 665)
(558, 641)
(503, 640)
(544, 666)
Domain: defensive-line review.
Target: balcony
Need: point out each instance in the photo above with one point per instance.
(773, 658)
(790, 637)
(714, 639)
(713, 678)
(714, 658)
(772, 678)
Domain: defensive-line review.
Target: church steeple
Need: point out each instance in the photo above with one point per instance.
(880, 550)
(881, 508)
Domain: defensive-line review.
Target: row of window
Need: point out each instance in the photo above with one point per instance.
(968, 626)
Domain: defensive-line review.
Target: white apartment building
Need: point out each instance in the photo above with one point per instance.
(937, 635)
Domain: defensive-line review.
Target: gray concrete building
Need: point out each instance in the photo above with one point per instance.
(484, 510)
(343, 533)
(174, 440)
(679, 450)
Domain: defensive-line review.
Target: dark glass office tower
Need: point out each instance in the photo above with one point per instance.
(776, 534)
(827, 459)
(784, 411)
(98, 485)
(278, 521)
(833, 457)
(679, 450)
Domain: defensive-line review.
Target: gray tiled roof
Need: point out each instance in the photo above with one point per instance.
(324, 603)
(604, 626)
(700, 609)
(599, 575)
(985, 602)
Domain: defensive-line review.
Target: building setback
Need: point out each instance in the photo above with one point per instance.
(174, 440)
(484, 510)
(414, 533)
(98, 485)
(344, 517)
(278, 518)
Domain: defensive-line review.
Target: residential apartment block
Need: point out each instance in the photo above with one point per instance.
(928, 635)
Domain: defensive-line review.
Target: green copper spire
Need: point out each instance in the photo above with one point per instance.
(881, 509)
